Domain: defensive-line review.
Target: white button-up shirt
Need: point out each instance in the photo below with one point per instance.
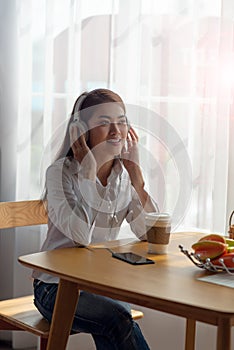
(81, 211)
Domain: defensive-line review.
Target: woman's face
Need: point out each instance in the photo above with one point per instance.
(108, 129)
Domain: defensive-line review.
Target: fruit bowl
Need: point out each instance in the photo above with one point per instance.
(207, 264)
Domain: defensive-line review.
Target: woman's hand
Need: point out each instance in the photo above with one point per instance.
(130, 157)
(82, 152)
(130, 154)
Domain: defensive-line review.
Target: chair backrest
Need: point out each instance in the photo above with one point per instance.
(22, 213)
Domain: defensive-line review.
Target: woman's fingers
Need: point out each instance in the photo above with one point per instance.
(77, 136)
(133, 134)
(78, 143)
(132, 138)
(73, 134)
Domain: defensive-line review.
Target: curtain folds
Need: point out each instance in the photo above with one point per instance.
(171, 61)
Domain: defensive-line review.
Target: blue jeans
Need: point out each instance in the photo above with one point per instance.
(108, 321)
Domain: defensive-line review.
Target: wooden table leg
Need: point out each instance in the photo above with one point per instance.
(65, 307)
(190, 334)
(224, 334)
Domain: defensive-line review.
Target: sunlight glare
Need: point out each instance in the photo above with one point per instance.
(226, 74)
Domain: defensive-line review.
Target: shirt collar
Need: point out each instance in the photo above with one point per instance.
(74, 166)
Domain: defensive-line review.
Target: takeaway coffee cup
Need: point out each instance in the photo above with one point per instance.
(158, 226)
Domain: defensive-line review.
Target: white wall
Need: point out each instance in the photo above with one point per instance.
(15, 280)
(7, 141)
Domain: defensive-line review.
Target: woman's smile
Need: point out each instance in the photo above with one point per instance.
(108, 130)
(114, 141)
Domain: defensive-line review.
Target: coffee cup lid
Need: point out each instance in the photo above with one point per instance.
(162, 217)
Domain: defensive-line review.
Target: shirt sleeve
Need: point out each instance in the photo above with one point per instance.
(70, 211)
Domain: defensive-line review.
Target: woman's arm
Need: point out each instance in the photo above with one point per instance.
(131, 163)
(139, 184)
(67, 209)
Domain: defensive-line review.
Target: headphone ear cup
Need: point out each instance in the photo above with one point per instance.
(82, 128)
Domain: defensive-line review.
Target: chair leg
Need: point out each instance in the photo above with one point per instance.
(190, 334)
(43, 343)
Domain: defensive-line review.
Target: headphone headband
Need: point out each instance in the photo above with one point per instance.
(78, 105)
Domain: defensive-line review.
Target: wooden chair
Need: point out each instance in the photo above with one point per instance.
(20, 314)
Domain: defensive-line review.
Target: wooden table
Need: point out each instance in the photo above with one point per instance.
(170, 285)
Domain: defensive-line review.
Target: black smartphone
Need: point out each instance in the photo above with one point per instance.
(132, 258)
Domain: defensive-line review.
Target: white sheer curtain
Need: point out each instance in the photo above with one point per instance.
(171, 61)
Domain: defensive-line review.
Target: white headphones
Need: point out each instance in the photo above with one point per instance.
(81, 125)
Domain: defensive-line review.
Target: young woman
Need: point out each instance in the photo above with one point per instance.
(95, 183)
